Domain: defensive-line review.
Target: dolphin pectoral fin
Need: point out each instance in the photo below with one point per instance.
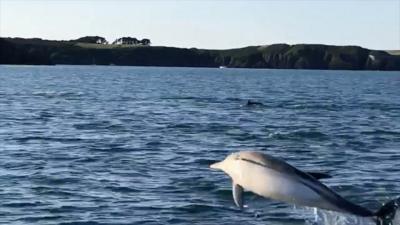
(319, 175)
(237, 192)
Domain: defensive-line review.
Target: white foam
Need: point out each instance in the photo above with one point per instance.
(396, 220)
(316, 216)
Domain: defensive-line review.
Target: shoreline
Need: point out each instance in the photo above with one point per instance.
(19, 51)
(187, 67)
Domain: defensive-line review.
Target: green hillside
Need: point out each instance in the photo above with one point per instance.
(280, 56)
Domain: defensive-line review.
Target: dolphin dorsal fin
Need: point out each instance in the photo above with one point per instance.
(237, 192)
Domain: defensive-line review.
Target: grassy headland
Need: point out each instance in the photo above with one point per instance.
(280, 56)
(394, 52)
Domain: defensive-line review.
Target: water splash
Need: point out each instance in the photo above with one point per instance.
(396, 220)
(315, 216)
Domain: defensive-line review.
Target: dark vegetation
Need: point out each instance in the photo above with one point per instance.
(119, 41)
(131, 41)
(280, 56)
(92, 39)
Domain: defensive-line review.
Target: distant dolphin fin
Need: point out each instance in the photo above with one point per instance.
(319, 175)
(237, 192)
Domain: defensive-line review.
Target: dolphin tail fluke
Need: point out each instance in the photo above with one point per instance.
(387, 213)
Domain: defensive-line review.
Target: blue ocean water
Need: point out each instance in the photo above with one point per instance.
(132, 145)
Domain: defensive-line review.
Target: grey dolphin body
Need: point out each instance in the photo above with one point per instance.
(273, 178)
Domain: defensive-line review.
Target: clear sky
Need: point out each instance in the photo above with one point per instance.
(209, 24)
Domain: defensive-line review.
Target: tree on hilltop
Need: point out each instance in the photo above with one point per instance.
(126, 41)
(145, 41)
(92, 40)
(131, 41)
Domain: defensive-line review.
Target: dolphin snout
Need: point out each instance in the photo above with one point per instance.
(216, 165)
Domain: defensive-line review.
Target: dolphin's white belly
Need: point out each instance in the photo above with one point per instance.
(279, 186)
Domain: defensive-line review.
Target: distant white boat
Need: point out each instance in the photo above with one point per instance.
(222, 67)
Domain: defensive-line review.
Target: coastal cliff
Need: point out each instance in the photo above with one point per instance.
(277, 56)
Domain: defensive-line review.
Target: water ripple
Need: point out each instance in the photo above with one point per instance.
(130, 145)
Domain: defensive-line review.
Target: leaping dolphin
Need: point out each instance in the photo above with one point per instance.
(273, 178)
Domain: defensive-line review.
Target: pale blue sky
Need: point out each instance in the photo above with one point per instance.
(209, 24)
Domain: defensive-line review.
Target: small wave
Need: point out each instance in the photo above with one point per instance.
(159, 144)
(380, 106)
(39, 218)
(182, 126)
(57, 94)
(121, 189)
(22, 204)
(355, 144)
(224, 193)
(177, 221)
(203, 127)
(55, 180)
(200, 208)
(50, 139)
(301, 135)
(234, 99)
(219, 127)
(51, 191)
(205, 162)
(381, 132)
(111, 148)
(327, 107)
(194, 183)
(86, 160)
(199, 99)
(98, 125)
(82, 223)
(71, 208)
(45, 115)
(244, 136)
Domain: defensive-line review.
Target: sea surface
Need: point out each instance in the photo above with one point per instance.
(132, 145)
